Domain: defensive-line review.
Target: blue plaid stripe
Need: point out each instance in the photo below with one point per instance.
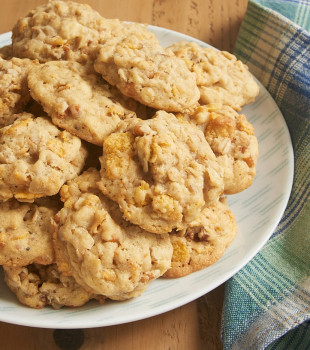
(278, 53)
(296, 10)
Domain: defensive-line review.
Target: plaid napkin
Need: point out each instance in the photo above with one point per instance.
(267, 303)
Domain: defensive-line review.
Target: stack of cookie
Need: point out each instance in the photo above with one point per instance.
(116, 155)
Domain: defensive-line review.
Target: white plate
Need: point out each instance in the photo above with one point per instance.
(258, 211)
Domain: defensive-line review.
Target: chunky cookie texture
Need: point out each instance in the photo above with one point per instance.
(36, 159)
(38, 286)
(204, 241)
(78, 100)
(221, 78)
(26, 233)
(61, 30)
(104, 253)
(160, 171)
(14, 93)
(143, 70)
(6, 52)
(232, 139)
(141, 143)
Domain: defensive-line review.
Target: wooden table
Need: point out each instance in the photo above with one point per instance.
(196, 325)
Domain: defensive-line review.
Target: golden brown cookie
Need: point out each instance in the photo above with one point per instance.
(60, 30)
(160, 171)
(26, 232)
(232, 139)
(6, 52)
(221, 78)
(36, 158)
(104, 253)
(14, 93)
(78, 100)
(140, 68)
(38, 286)
(204, 241)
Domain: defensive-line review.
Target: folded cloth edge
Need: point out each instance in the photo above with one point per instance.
(273, 31)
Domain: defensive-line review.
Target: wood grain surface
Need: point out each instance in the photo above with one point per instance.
(193, 326)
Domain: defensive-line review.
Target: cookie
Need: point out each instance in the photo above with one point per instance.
(142, 69)
(11, 118)
(60, 30)
(160, 171)
(78, 100)
(38, 286)
(104, 253)
(36, 158)
(14, 93)
(26, 233)
(6, 52)
(126, 29)
(232, 139)
(221, 78)
(204, 241)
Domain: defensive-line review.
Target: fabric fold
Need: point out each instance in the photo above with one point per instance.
(267, 303)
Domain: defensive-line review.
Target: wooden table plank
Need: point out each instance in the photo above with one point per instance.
(193, 326)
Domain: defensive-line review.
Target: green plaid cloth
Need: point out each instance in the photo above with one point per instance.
(267, 303)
